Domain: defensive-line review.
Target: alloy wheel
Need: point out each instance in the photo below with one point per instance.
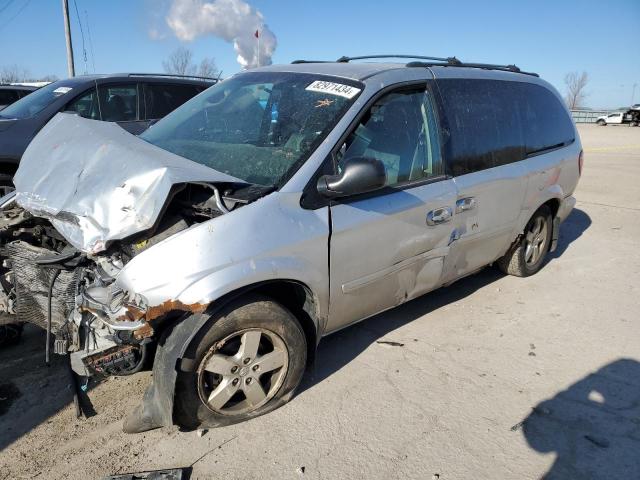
(243, 371)
(535, 241)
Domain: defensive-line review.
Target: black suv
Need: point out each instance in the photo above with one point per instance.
(134, 101)
(12, 93)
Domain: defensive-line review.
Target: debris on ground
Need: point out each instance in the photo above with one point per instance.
(170, 474)
(300, 470)
(517, 426)
(389, 342)
(202, 431)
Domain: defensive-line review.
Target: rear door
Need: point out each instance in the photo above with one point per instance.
(389, 246)
(484, 149)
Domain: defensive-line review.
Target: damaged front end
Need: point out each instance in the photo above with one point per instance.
(66, 234)
(74, 295)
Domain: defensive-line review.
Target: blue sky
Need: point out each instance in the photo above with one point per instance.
(548, 37)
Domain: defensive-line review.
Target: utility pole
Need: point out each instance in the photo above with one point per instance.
(67, 34)
(633, 93)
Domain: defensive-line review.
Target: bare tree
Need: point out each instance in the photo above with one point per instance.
(13, 74)
(47, 78)
(208, 68)
(180, 62)
(576, 84)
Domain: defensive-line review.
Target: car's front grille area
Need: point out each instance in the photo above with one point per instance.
(31, 284)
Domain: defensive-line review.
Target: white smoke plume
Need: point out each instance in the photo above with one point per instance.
(232, 20)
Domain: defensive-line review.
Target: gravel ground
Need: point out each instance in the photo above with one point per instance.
(493, 377)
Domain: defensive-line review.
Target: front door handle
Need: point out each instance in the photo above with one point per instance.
(464, 204)
(439, 215)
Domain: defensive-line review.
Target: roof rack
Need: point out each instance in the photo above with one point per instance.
(431, 62)
(420, 57)
(484, 66)
(295, 62)
(171, 75)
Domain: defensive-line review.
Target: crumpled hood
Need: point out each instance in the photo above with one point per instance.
(96, 182)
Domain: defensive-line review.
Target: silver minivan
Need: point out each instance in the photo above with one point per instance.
(276, 207)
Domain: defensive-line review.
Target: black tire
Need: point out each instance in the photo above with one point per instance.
(514, 262)
(6, 184)
(253, 312)
(602, 123)
(10, 334)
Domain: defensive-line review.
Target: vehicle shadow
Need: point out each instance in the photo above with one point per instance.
(572, 228)
(593, 426)
(31, 391)
(340, 348)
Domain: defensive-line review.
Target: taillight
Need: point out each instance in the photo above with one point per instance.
(580, 162)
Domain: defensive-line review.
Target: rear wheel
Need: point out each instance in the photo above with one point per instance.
(602, 123)
(249, 361)
(527, 255)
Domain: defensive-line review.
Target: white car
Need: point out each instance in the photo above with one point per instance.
(612, 118)
(631, 117)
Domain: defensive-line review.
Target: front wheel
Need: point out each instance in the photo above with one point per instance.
(602, 123)
(249, 361)
(527, 255)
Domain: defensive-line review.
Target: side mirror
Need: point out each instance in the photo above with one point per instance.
(359, 175)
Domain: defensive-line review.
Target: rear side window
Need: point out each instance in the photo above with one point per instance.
(118, 103)
(8, 96)
(492, 122)
(544, 119)
(163, 99)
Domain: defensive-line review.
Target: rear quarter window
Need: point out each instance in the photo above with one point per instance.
(545, 121)
(489, 123)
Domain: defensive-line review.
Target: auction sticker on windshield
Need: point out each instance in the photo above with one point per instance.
(332, 88)
(62, 90)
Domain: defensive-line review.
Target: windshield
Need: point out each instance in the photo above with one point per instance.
(258, 127)
(37, 101)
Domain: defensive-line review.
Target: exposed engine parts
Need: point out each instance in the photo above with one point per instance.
(73, 295)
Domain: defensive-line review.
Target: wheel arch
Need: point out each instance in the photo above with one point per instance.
(156, 409)
(554, 206)
(295, 296)
(292, 294)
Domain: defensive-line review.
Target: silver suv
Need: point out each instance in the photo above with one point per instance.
(276, 207)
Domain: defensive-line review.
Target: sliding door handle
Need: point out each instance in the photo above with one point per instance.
(439, 215)
(464, 204)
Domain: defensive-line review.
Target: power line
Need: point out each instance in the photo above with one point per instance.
(84, 50)
(93, 57)
(6, 5)
(16, 14)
